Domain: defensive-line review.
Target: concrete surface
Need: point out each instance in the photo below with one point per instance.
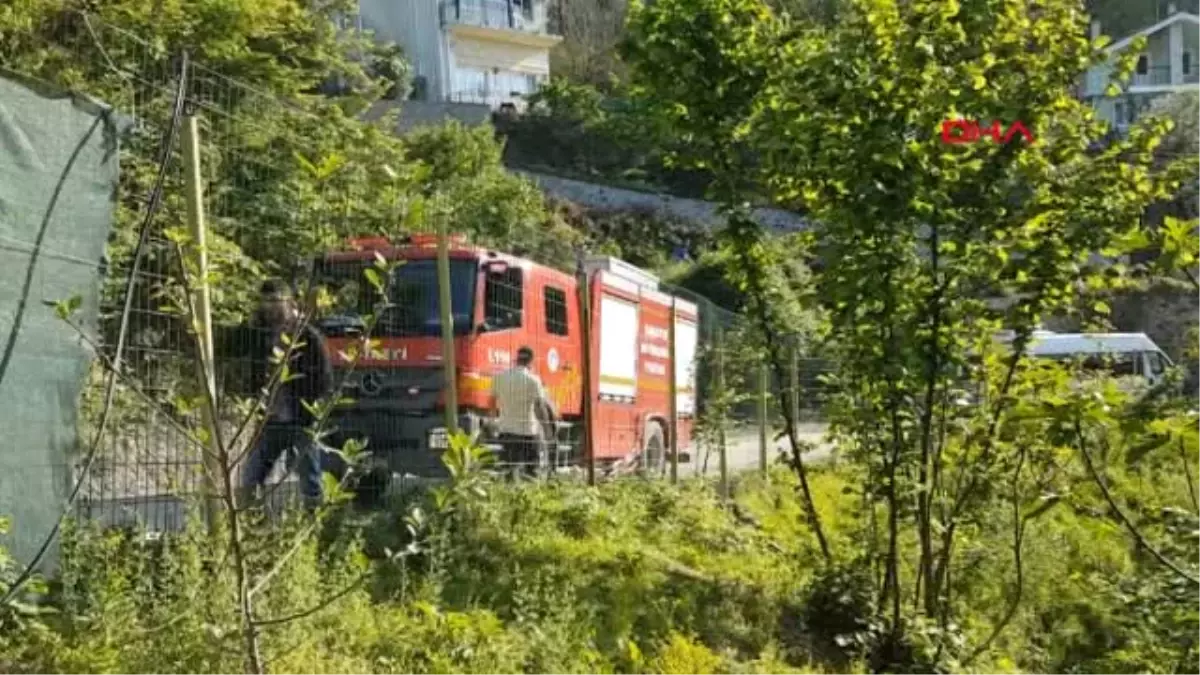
(742, 450)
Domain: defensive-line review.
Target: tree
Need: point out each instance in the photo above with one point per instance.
(591, 30)
(843, 122)
(706, 97)
(1180, 144)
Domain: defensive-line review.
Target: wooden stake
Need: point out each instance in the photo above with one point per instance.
(673, 393)
(202, 304)
(450, 372)
(585, 369)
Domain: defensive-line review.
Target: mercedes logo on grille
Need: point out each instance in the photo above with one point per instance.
(371, 383)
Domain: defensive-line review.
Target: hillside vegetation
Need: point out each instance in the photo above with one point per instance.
(630, 577)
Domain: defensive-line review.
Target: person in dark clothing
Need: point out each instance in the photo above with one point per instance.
(310, 380)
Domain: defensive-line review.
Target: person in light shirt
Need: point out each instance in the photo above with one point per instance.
(524, 412)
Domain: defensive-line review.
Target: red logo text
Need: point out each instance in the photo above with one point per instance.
(970, 131)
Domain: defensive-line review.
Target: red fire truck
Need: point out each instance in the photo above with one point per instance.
(499, 304)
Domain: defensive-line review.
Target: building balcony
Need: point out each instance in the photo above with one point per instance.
(511, 15)
(1155, 76)
(514, 22)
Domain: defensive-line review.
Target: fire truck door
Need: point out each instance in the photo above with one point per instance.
(557, 350)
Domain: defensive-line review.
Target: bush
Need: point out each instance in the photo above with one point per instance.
(575, 130)
(682, 655)
(559, 577)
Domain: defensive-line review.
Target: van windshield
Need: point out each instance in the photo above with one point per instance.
(415, 310)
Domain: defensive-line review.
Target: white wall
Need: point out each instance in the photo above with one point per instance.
(1158, 53)
(495, 72)
(415, 25)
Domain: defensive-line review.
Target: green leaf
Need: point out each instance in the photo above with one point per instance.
(374, 278)
(306, 165)
(65, 309)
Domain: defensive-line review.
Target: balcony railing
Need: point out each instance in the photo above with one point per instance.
(506, 14)
(1154, 76)
(492, 98)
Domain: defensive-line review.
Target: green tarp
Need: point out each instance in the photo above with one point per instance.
(58, 179)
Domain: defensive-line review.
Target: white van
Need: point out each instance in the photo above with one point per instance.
(1117, 354)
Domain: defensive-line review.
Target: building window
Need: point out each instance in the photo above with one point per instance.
(1187, 63)
(555, 306)
(470, 84)
(503, 299)
(1143, 65)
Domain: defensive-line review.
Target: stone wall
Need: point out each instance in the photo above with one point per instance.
(425, 113)
(609, 199)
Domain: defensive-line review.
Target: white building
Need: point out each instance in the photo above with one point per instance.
(1168, 64)
(492, 52)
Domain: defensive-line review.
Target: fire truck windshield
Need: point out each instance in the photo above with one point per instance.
(415, 311)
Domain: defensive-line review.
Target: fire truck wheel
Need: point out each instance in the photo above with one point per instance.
(654, 449)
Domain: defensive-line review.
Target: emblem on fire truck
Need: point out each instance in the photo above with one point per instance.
(552, 360)
(371, 383)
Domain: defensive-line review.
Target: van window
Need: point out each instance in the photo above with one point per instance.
(1156, 363)
(1117, 365)
(1107, 364)
(503, 299)
(555, 308)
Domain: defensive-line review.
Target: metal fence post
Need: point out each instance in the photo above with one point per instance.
(201, 304)
(673, 393)
(721, 446)
(763, 423)
(447, 319)
(795, 382)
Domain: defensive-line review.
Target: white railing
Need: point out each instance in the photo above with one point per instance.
(491, 98)
(489, 14)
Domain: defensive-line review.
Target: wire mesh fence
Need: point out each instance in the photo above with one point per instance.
(600, 368)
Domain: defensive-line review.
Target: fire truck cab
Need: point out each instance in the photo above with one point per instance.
(499, 304)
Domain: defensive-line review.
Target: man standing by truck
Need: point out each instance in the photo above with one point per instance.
(286, 428)
(525, 415)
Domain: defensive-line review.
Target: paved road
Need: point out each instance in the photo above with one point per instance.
(742, 449)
